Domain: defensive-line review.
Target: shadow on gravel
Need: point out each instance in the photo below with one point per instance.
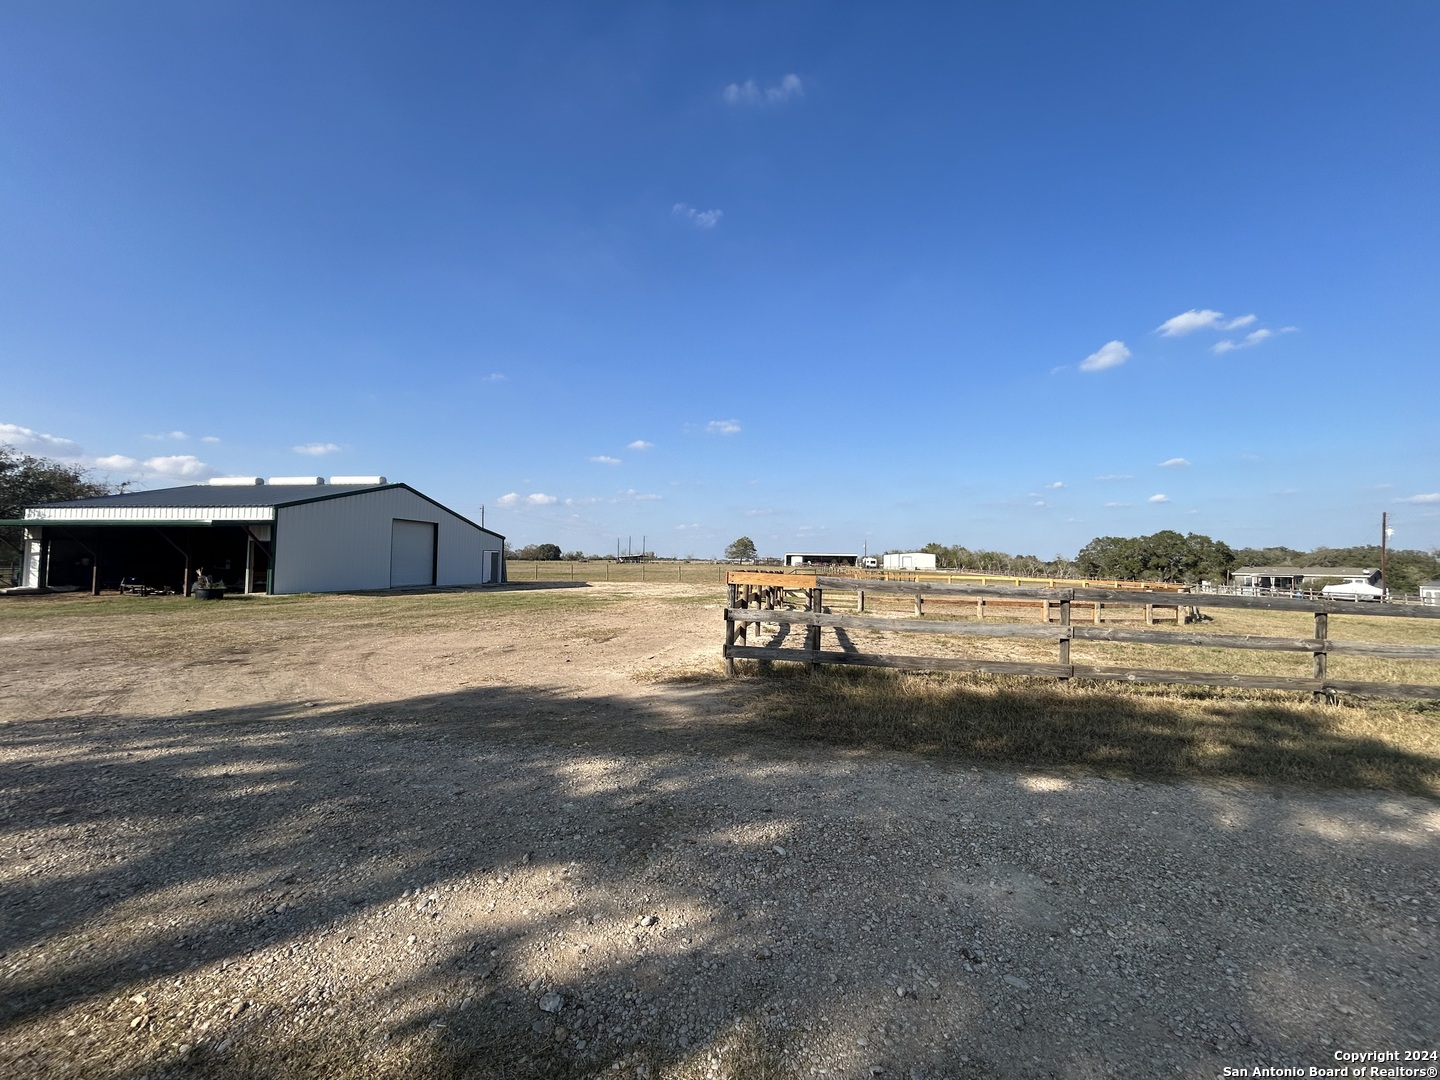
(239, 847)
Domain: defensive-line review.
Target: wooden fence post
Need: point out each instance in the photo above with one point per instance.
(1149, 614)
(860, 600)
(812, 633)
(1045, 611)
(1322, 630)
(1065, 641)
(731, 599)
(919, 605)
(1099, 607)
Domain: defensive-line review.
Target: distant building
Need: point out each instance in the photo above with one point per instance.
(1430, 593)
(821, 558)
(909, 560)
(1292, 578)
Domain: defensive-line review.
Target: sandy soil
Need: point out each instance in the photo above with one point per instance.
(508, 845)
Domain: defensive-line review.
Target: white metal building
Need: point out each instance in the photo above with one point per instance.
(290, 535)
(909, 560)
(1430, 593)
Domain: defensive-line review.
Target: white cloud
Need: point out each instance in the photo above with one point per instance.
(30, 441)
(1239, 323)
(1158, 499)
(640, 444)
(1175, 463)
(1430, 497)
(1039, 502)
(210, 438)
(541, 499)
(1115, 476)
(1289, 329)
(1111, 354)
(1189, 321)
(316, 449)
(169, 467)
(178, 436)
(701, 219)
(508, 499)
(494, 376)
(752, 94)
(1255, 337)
(637, 496)
(723, 427)
(1116, 504)
(605, 459)
(1056, 485)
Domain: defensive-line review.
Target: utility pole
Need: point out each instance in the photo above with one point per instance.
(1384, 537)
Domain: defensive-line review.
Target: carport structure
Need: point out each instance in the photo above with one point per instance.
(290, 535)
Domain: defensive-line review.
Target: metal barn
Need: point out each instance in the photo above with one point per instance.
(290, 535)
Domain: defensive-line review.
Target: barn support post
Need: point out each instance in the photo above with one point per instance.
(185, 581)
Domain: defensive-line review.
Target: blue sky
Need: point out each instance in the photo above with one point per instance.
(1010, 276)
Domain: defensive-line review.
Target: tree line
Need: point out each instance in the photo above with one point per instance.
(1170, 556)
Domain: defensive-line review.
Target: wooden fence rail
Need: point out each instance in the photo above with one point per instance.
(755, 598)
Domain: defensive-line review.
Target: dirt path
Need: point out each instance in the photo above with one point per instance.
(502, 844)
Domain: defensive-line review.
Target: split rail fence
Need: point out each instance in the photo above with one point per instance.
(758, 598)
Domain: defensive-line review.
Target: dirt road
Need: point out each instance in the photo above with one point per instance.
(493, 836)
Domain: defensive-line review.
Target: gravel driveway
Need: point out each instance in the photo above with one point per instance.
(363, 853)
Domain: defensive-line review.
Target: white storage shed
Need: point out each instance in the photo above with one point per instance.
(290, 535)
(1430, 593)
(909, 560)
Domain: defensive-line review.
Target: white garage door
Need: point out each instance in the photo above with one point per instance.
(412, 553)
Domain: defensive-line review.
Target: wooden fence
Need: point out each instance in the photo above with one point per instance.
(755, 598)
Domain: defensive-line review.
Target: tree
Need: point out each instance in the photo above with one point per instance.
(741, 549)
(1162, 556)
(27, 480)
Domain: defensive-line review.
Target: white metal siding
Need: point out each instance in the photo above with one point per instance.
(30, 559)
(153, 513)
(412, 553)
(344, 543)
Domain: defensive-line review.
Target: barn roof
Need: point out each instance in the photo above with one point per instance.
(203, 504)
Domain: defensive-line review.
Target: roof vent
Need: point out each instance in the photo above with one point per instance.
(358, 480)
(235, 481)
(288, 481)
